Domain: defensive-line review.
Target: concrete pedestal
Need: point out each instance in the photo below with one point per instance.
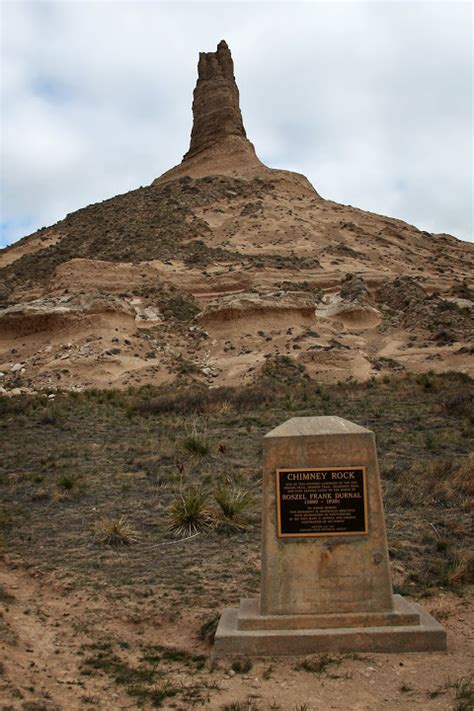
(408, 628)
(325, 580)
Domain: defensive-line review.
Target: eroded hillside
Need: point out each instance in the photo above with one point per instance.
(222, 263)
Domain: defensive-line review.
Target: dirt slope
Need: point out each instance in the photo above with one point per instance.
(49, 629)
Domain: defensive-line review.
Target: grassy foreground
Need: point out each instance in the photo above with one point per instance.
(101, 487)
(77, 463)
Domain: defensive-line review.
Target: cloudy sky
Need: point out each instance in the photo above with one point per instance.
(371, 100)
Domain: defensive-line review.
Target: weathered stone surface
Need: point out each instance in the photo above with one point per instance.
(216, 110)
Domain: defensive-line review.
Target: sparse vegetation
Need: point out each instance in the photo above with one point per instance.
(190, 512)
(208, 629)
(241, 666)
(115, 531)
(197, 444)
(70, 483)
(248, 705)
(135, 466)
(5, 596)
(464, 694)
(318, 665)
(235, 505)
(142, 468)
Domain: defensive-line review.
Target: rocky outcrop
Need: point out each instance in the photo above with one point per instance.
(231, 308)
(51, 313)
(219, 144)
(216, 110)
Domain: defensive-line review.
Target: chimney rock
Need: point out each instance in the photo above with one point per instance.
(216, 110)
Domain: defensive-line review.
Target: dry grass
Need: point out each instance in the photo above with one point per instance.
(113, 531)
(235, 506)
(134, 464)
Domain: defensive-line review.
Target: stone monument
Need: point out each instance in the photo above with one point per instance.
(325, 580)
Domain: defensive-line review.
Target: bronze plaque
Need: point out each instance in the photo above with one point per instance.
(321, 502)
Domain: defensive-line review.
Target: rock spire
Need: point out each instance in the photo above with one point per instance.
(219, 144)
(216, 110)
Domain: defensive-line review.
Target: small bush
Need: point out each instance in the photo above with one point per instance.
(190, 513)
(115, 531)
(70, 483)
(241, 666)
(208, 629)
(464, 694)
(318, 665)
(197, 444)
(235, 505)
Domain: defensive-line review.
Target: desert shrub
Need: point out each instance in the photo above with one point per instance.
(70, 483)
(459, 405)
(464, 695)
(242, 666)
(190, 513)
(197, 444)
(208, 629)
(235, 505)
(181, 307)
(318, 665)
(427, 381)
(115, 531)
(282, 369)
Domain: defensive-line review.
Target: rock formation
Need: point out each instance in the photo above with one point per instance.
(216, 110)
(221, 264)
(219, 143)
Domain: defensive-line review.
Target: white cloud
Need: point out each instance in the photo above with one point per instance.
(371, 100)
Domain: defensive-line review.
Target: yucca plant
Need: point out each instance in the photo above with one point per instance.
(70, 483)
(115, 531)
(189, 513)
(235, 505)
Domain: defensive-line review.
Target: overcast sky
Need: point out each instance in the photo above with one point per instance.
(372, 101)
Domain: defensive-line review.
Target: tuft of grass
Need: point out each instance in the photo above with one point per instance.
(197, 444)
(70, 483)
(464, 696)
(154, 695)
(208, 629)
(5, 596)
(189, 513)
(318, 665)
(267, 673)
(248, 705)
(241, 666)
(115, 531)
(235, 505)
